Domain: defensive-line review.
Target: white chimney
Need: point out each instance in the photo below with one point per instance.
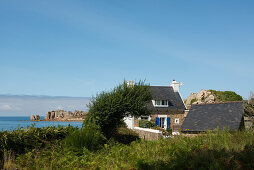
(176, 85)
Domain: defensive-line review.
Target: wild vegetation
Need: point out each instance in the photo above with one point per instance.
(143, 123)
(249, 106)
(225, 96)
(108, 109)
(214, 150)
(104, 143)
(23, 140)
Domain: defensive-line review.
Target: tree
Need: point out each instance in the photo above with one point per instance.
(108, 109)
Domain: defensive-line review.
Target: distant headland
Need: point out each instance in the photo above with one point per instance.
(61, 115)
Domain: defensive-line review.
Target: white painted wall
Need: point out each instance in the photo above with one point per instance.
(129, 120)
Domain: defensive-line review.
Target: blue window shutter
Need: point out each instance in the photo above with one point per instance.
(168, 122)
(157, 121)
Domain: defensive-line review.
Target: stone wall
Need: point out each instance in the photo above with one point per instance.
(248, 122)
(177, 114)
(173, 115)
(148, 134)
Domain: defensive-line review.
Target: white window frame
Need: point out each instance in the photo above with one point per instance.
(177, 121)
(160, 101)
(148, 118)
(165, 120)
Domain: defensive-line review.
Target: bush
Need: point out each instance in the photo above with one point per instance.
(144, 123)
(169, 131)
(107, 109)
(89, 137)
(125, 135)
(193, 100)
(22, 140)
(225, 96)
(214, 150)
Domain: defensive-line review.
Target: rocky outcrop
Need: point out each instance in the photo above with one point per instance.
(61, 115)
(34, 118)
(204, 96)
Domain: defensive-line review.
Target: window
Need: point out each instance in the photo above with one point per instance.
(162, 122)
(157, 102)
(145, 117)
(164, 102)
(177, 121)
(161, 103)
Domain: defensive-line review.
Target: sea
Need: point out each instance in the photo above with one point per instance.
(13, 122)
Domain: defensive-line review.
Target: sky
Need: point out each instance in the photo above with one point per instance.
(78, 48)
(25, 105)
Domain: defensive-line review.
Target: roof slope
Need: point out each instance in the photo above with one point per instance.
(166, 93)
(210, 116)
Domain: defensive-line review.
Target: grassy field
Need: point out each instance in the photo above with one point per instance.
(215, 150)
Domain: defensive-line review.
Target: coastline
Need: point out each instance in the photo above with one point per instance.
(64, 120)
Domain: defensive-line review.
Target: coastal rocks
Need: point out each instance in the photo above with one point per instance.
(34, 118)
(61, 115)
(204, 96)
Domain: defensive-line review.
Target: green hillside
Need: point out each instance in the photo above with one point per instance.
(225, 96)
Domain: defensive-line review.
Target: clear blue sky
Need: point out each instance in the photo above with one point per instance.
(80, 47)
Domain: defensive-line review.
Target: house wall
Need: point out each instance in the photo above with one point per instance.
(172, 114)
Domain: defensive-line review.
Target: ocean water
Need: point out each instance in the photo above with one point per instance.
(10, 123)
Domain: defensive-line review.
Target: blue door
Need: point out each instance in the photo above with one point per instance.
(168, 122)
(157, 121)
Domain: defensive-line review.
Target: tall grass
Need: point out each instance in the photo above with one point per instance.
(23, 140)
(215, 150)
(89, 137)
(9, 162)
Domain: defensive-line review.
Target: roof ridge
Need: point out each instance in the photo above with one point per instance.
(220, 103)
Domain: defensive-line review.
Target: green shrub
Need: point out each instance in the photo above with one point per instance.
(144, 123)
(108, 109)
(224, 96)
(193, 100)
(169, 131)
(125, 135)
(89, 137)
(214, 150)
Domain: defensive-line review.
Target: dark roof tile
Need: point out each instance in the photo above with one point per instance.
(210, 116)
(166, 93)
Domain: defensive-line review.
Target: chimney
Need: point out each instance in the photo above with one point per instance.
(176, 85)
(130, 83)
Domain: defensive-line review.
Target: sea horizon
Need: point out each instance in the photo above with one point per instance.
(12, 122)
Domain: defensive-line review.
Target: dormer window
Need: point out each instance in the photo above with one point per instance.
(162, 103)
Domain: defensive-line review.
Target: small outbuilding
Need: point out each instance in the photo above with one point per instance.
(203, 117)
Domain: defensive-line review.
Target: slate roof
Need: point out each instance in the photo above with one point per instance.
(166, 93)
(203, 117)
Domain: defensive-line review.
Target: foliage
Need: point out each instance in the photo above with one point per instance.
(193, 100)
(169, 131)
(125, 135)
(215, 150)
(22, 140)
(165, 132)
(89, 137)
(107, 109)
(249, 106)
(143, 123)
(225, 96)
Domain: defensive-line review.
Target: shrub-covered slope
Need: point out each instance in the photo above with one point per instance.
(212, 96)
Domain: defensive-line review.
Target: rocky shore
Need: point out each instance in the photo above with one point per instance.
(61, 115)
